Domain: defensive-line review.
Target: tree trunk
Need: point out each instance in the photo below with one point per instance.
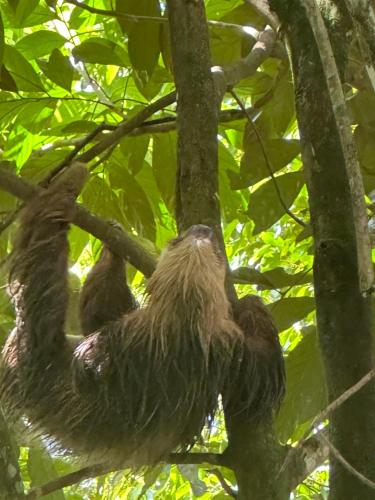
(344, 314)
(254, 454)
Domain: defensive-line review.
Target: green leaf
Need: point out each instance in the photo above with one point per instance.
(135, 149)
(41, 469)
(21, 71)
(265, 207)
(364, 138)
(151, 87)
(79, 127)
(40, 15)
(290, 310)
(231, 203)
(135, 202)
(99, 197)
(306, 393)
(39, 43)
(279, 152)
(270, 280)
(58, 69)
(362, 106)
(23, 8)
(36, 115)
(279, 111)
(97, 50)
(143, 36)
(164, 159)
(7, 81)
(225, 46)
(2, 41)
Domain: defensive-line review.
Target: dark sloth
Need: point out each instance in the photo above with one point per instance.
(146, 381)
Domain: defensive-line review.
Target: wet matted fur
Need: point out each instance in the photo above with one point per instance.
(139, 387)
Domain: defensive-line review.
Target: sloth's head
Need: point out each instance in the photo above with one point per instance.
(189, 278)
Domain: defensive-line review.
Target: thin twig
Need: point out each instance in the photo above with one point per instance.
(126, 127)
(71, 156)
(96, 470)
(226, 487)
(342, 398)
(323, 415)
(347, 465)
(110, 140)
(266, 159)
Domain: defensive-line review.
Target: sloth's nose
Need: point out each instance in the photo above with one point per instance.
(200, 231)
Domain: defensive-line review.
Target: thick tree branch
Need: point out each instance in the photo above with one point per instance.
(303, 461)
(121, 242)
(126, 127)
(227, 77)
(262, 7)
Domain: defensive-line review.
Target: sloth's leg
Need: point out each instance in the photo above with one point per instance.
(105, 296)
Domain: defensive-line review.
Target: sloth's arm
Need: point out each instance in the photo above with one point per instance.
(259, 386)
(39, 274)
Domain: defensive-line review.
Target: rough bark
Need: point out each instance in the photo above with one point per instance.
(11, 486)
(253, 452)
(197, 116)
(344, 314)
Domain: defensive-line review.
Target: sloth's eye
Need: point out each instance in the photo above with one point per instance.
(175, 241)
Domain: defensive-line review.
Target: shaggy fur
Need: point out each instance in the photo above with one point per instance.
(141, 386)
(105, 296)
(261, 379)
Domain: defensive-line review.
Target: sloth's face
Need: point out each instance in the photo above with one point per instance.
(197, 237)
(194, 254)
(191, 269)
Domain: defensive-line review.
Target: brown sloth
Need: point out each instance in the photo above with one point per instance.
(144, 381)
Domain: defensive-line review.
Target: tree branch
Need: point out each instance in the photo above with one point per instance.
(229, 76)
(120, 241)
(262, 8)
(100, 469)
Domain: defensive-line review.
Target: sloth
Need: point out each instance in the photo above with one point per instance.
(144, 381)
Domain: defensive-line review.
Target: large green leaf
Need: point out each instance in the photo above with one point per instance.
(22, 9)
(2, 41)
(362, 106)
(21, 71)
(58, 69)
(102, 200)
(41, 470)
(275, 279)
(279, 152)
(164, 161)
(7, 81)
(265, 207)
(135, 149)
(278, 112)
(143, 36)
(306, 393)
(135, 202)
(290, 310)
(231, 203)
(100, 51)
(39, 43)
(364, 138)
